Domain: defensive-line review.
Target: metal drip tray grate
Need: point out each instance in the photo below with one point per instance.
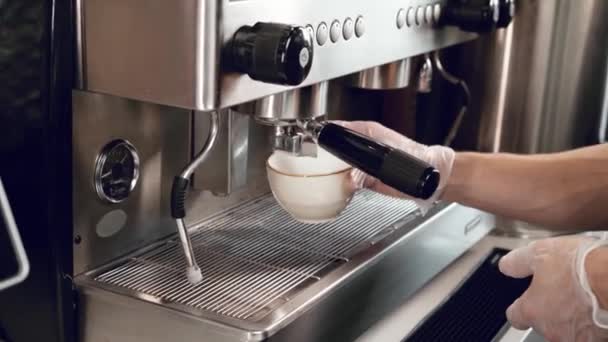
(255, 256)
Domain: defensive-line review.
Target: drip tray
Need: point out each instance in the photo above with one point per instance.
(254, 256)
(262, 270)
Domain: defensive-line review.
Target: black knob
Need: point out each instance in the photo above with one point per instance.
(506, 9)
(273, 53)
(471, 15)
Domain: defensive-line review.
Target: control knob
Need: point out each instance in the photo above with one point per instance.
(273, 53)
(506, 10)
(477, 15)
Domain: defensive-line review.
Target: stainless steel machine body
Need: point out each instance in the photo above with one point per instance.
(270, 278)
(151, 75)
(541, 85)
(394, 75)
(170, 52)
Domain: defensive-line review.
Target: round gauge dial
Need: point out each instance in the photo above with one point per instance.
(116, 171)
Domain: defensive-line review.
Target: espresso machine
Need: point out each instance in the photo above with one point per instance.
(176, 106)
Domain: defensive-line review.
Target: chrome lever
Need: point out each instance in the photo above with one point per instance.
(13, 234)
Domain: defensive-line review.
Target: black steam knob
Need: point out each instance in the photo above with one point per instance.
(471, 15)
(506, 12)
(273, 53)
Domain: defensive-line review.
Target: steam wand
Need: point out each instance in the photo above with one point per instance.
(178, 201)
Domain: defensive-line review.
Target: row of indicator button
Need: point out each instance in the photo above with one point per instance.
(338, 30)
(429, 14)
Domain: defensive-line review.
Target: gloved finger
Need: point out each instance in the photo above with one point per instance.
(518, 263)
(516, 316)
(340, 123)
(376, 131)
(359, 180)
(363, 127)
(386, 190)
(356, 179)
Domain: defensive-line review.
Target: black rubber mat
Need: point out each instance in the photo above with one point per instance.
(3, 335)
(475, 312)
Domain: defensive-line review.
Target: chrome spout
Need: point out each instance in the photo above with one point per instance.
(178, 199)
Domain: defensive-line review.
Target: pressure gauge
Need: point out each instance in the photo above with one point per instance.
(116, 171)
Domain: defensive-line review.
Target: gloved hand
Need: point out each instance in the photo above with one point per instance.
(558, 304)
(442, 158)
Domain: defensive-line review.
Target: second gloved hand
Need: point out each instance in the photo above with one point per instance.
(442, 158)
(556, 304)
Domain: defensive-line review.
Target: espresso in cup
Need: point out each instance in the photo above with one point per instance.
(311, 189)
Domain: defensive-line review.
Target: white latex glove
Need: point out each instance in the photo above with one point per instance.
(442, 158)
(556, 304)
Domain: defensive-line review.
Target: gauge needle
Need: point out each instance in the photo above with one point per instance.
(107, 174)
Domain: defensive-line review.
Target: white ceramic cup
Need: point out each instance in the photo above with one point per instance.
(313, 190)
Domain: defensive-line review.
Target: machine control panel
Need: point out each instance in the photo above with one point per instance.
(338, 30)
(415, 16)
(273, 45)
(348, 37)
(269, 52)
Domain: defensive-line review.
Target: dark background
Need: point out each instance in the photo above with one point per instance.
(7, 255)
(36, 64)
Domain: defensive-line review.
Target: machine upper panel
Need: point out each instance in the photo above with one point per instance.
(125, 51)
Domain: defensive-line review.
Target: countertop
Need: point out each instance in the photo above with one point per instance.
(398, 324)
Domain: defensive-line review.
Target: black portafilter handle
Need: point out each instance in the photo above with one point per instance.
(393, 167)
